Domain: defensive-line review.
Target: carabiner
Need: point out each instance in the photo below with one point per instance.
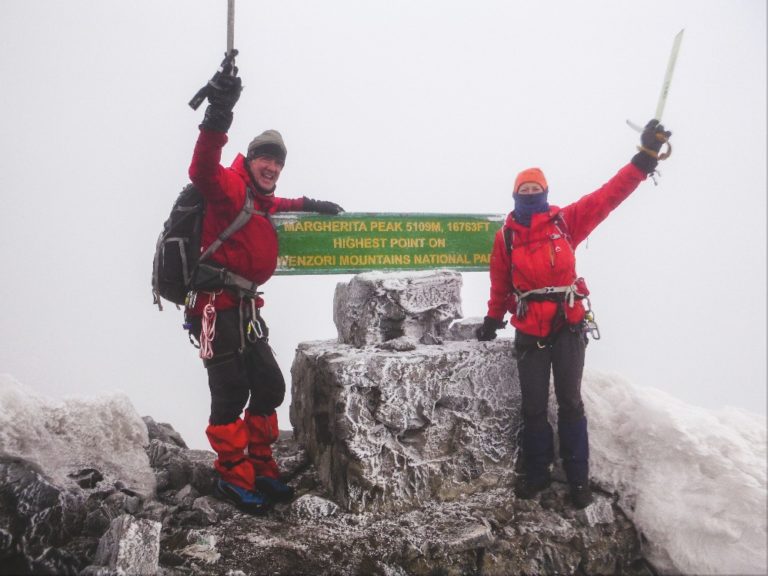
(591, 325)
(254, 331)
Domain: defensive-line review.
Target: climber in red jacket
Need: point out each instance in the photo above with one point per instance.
(533, 276)
(227, 322)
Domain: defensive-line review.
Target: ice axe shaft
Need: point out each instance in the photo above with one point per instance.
(227, 65)
(230, 25)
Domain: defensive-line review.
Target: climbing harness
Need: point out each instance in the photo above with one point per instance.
(561, 294)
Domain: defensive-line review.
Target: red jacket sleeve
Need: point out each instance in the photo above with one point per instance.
(501, 278)
(205, 171)
(585, 214)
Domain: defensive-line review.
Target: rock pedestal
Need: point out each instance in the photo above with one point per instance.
(376, 307)
(392, 426)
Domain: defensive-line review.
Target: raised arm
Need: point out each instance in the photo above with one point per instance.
(206, 171)
(585, 214)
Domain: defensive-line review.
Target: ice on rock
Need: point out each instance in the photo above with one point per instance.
(130, 546)
(70, 437)
(391, 428)
(376, 307)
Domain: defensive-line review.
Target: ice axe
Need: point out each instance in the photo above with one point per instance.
(663, 98)
(227, 66)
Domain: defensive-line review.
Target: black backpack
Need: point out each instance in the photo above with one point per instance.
(178, 267)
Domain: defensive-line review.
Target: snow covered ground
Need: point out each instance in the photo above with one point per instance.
(692, 480)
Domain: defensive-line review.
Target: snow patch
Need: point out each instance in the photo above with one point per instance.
(692, 480)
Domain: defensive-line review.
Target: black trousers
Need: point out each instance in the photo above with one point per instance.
(238, 378)
(564, 358)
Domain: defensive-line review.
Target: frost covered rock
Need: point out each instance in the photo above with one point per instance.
(311, 506)
(389, 430)
(599, 512)
(35, 516)
(163, 432)
(376, 307)
(130, 546)
(176, 467)
(464, 328)
(66, 437)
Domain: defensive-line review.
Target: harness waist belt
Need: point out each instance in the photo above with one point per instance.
(213, 277)
(550, 297)
(567, 294)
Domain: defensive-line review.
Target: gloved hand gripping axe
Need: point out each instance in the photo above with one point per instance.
(227, 67)
(649, 146)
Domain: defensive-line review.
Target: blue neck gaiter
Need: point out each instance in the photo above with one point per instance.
(526, 205)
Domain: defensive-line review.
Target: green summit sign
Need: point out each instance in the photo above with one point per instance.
(350, 243)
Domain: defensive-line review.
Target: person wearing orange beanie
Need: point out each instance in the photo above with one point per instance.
(533, 276)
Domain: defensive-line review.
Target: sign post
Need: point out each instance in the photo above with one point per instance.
(350, 243)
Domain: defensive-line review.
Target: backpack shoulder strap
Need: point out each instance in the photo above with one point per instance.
(508, 239)
(562, 226)
(240, 220)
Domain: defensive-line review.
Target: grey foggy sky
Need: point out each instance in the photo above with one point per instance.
(385, 106)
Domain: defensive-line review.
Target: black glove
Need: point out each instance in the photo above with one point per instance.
(651, 140)
(488, 330)
(223, 93)
(321, 206)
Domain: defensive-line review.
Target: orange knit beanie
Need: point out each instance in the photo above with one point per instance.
(531, 175)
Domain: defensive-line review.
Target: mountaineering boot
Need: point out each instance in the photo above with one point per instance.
(527, 488)
(229, 442)
(581, 495)
(246, 500)
(574, 453)
(262, 433)
(538, 452)
(275, 490)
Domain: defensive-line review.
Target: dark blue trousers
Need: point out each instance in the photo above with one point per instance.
(563, 358)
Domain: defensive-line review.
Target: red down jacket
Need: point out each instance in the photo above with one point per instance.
(252, 251)
(542, 257)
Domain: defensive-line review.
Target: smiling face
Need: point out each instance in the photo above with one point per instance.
(265, 170)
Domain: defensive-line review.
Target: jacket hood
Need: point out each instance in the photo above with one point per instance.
(239, 166)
